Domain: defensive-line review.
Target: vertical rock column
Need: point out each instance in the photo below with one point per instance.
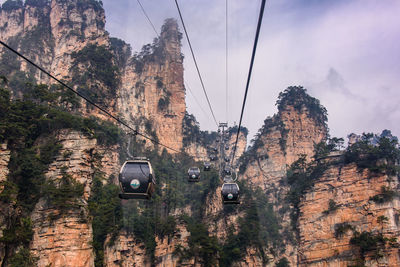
(64, 238)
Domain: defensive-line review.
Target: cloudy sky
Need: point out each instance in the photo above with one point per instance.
(346, 53)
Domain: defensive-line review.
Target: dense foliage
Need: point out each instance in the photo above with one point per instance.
(95, 63)
(193, 134)
(323, 148)
(301, 176)
(386, 195)
(297, 97)
(259, 228)
(40, 113)
(12, 4)
(202, 247)
(105, 208)
(379, 156)
(37, 3)
(121, 50)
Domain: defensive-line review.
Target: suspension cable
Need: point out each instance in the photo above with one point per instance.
(185, 82)
(195, 62)
(226, 60)
(148, 19)
(87, 99)
(260, 17)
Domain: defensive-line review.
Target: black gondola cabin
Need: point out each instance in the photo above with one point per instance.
(194, 174)
(213, 157)
(207, 166)
(136, 179)
(230, 193)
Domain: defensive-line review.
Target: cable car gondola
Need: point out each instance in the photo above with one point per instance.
(207, 166)
(227, 171)
(227, 159)
(136, 179)
(194, 174)
(213, 157)
(227, 147)
(230, 193)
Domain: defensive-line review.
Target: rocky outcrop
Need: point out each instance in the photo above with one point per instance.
(64, 237)
(48, 32)
(283, 138)
(4, 159)
(321, 241)
(152, 94)
(126, 251)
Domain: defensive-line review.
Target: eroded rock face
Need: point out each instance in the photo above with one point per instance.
(126, 251)
(63, 241)
(284, 138)
(74, 25)
(4, 159)
(351, 190)
(152, 93)
(64, 238)
(291, 134)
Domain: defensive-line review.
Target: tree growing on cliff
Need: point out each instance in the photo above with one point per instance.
(298, 97)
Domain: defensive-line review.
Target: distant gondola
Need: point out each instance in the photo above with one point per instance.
(213, 157)
(193, 174)
(227, 159)
(230, 193)
(207, 166)
(136, 179)
(226, 147)
(227, 171)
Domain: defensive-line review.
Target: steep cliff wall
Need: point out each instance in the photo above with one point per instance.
(152, 93)
(126, 251)
(4, 159)
(283, 138)
(68, 39)
(325, 232)
(63, 235)
(48, 32)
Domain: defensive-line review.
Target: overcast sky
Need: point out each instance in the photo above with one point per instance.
(346, 53)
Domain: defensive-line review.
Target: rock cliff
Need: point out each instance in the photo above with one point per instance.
(325, 233)
(64, 237)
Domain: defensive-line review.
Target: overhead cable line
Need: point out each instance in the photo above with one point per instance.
(260, 17)
(154, 29)
(87, 100)
(148, 18)
(195, 62)
(226, 59)
(198, 103)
